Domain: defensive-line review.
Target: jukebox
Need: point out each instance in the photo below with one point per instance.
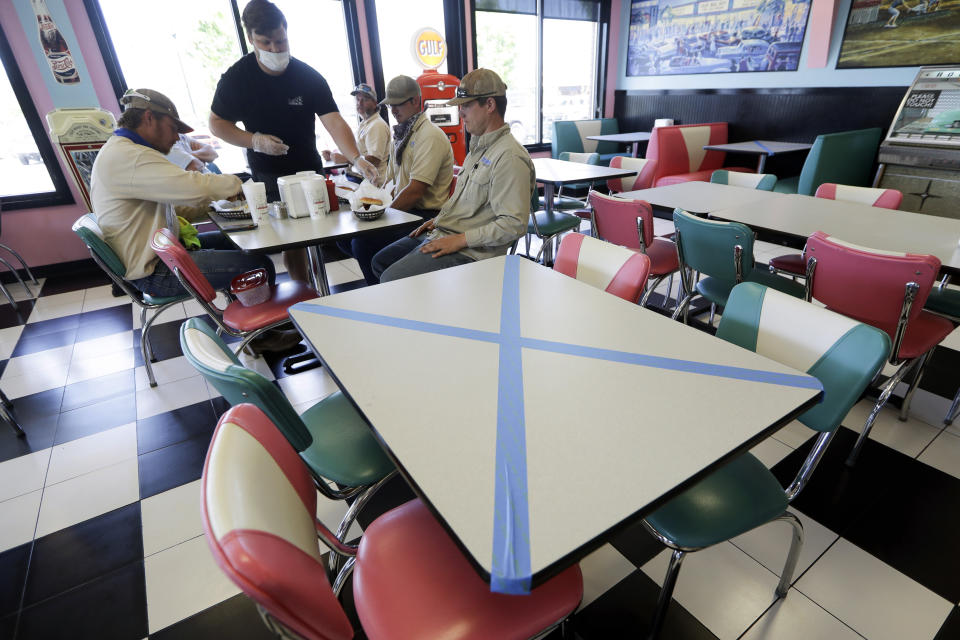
(79, 134)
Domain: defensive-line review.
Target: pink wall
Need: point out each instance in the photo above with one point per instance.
(43, 236)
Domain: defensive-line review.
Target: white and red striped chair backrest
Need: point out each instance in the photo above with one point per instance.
(603, 265)
(886, 198)
(643, 180)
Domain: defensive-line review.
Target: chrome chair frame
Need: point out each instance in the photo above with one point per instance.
(6, 413)
(688, 281)
(955, 403)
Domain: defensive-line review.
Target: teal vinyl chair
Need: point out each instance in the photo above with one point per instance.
(87, 228)
(723, 252)
(760, 181)
(548, 226)
(843, 354)
(571, 135)
(846, 157)
(331, 437)
(564, 203)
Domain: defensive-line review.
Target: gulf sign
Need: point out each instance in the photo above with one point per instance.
(429, 48)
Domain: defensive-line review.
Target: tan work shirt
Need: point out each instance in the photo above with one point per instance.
(427, 158)
(491, 204)
(373, 137)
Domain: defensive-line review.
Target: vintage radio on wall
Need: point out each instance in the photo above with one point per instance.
(79, 134)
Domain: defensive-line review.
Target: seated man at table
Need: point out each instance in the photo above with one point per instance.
(490, 207)
(420, 166)
(373, 134)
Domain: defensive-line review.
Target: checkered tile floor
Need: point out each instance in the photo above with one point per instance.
(100, 533)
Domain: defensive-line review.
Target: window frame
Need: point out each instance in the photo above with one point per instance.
(61, 194)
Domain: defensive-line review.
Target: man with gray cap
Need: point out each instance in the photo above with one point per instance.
(373, 135)
(135, 190)
(490, 207)
(420, 166)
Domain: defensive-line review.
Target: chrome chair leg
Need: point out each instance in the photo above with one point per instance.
(666, 593)
(651, 287)
(344, 529)
(908, 398)
(146, 350)
(881, 401)
(17, 276)
(6, 294)
(952, 411)
(22, 262)
(713, 311)
(341, 580)
(681, 308)
(663, 305)
(796, 543)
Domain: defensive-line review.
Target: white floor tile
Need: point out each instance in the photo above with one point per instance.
(165, 371)
(20, 293)
(929, 408)
(796, 617)
(771, 451)
(182, 581)
(794, 434)
(257, 364)
(908, 437)
(89, 368)
(944, 454)
(18, 519)
(601, 570)
(23, 474)
(98, 451)
(312, 385)
(952, 341)
(338, 274)
(87, 496)
(56, 306)
(874, 599)
(173, 313)
(52, 361)
(722, 587)
(173, 395)
(768, 544)
(19, 386)
(8, 340)
(354, 267)
(171, 517)
(102, 298)
(99, 347)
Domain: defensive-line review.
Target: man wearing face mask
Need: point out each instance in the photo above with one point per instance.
(276, 97)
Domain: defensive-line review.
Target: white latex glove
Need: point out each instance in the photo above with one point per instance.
(270, 145)
(368, 170)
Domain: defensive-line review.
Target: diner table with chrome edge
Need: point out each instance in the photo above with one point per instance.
(633, 139)
(762, 148)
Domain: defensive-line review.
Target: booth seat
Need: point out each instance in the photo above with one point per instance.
(571, 136)
(846, 158)
(680, 156)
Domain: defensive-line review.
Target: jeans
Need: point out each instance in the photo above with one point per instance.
(364, 247)
(403, 259)
(217, 259)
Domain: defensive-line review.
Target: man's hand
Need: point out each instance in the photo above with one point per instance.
(270, 145)
(445, 245)
(368, 170)
(327, 155)
(195, 165)
(426, 226)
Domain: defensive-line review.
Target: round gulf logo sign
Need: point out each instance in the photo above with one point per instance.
(429, 48)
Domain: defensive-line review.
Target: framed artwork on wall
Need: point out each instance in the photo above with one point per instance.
(900, 33)
(671, 37)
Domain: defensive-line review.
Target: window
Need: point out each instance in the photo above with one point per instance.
(398, 23)
(29, 174)
(547, 52)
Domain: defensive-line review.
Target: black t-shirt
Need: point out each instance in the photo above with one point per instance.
(283, 106)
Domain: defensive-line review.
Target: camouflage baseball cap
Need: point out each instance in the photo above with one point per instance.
(153, 101)
(479, 83)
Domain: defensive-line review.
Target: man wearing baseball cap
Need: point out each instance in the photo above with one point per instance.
(373, 134)
(135, 190)
(490, 206)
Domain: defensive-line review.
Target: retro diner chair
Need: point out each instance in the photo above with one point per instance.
(331, 438)
(641, 180)
(629, 223)
(235, 319)
(846, 157)
(16, 274)
(843, 354)
(946, 302)
(603, 265)
(884, 289)
(547, 226)
(759, 181)
(410, 580)
(722, 251)
(87, 228)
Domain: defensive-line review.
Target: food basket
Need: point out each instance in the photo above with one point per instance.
(367, 211)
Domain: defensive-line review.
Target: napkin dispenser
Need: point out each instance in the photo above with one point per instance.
(291, 193)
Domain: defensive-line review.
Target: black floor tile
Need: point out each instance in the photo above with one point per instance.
(348, 286)
(165, 340)
(74, 282)
(836, 495)
(393, 494)
(97, 417)
(625, 611)
(636, 544)
(220, 406)
(105, 322)
(914, 526)
(36, 342)
(940, 375)
(10, 317)
(175, 426)
(112, 607)
(235, 618)
(39, 433)
(8, 626)
(275, 360)
(35, 405)
(951, 627)
(13, 568)
(86, 551)
(54, 325)
(172, 466)
(95, 390)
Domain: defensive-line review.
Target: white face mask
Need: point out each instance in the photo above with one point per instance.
(274, 61)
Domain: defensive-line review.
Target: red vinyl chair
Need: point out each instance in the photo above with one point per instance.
(410, 580)
(794, 264)
(629, 223)
(884, 289)
(236, 320)
(680, 156)
(606, 266)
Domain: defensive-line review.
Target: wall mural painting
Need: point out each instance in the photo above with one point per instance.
(670, 37)
(900, 33)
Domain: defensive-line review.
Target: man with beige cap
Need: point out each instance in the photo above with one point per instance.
(373, 134)
(490, 207)
(420, 167)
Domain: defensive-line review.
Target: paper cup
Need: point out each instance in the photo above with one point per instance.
(315, 193)
(256, 196)
(663, 122)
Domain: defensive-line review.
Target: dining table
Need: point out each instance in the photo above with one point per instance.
(761, 148)
(536, 415)
(633, 138)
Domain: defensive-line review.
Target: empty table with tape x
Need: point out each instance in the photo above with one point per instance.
(762, 148)
(532, 434)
